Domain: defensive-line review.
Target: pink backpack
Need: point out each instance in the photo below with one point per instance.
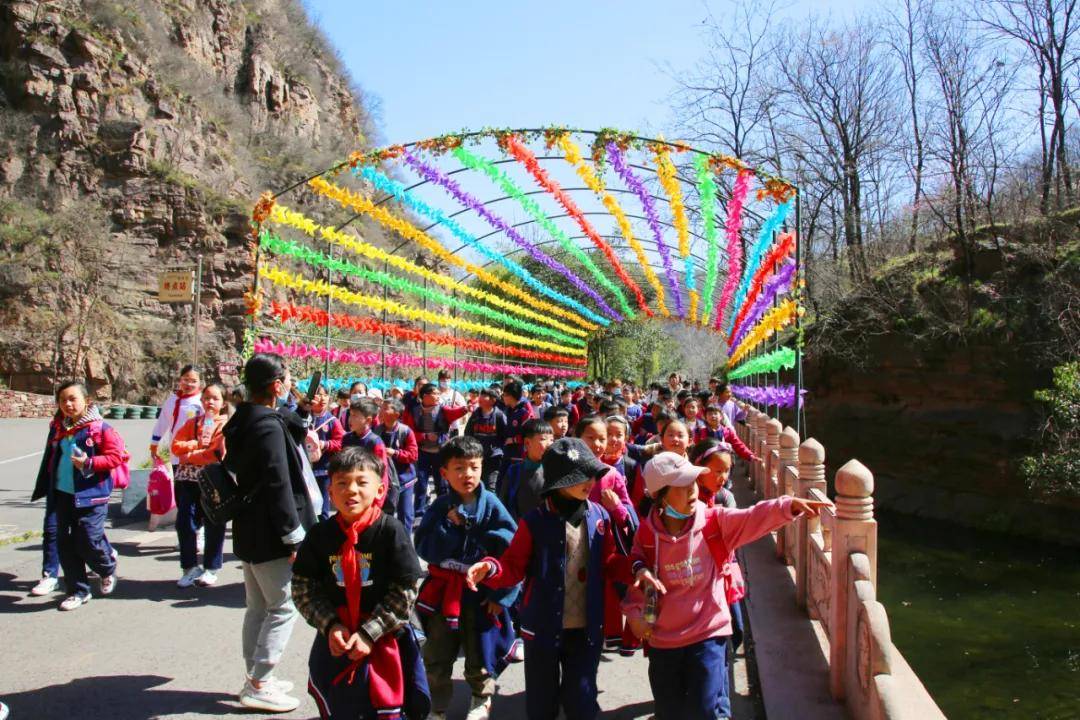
(121, 474)
(159, 490)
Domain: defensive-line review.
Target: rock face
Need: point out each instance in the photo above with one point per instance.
(134, 137)
(942, 434)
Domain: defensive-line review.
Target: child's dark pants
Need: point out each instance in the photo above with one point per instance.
(427, 469)
(189, 517)
(563, 677)
(82, 542)
(687, 682)
(50, 551)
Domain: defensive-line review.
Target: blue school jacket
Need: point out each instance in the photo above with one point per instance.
(537, 554)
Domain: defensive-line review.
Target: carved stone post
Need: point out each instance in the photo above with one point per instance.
(789, 458)
(811, 475)
(750, 440)
(773, 427)
(760, 436)
(856, 532)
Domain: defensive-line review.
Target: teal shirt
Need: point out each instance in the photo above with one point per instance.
(65, 471)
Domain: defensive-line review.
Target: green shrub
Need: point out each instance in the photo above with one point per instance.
(1056, 470)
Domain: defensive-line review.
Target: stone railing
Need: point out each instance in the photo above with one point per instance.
(833, 559)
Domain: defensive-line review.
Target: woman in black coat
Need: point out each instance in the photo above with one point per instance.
(262, 452)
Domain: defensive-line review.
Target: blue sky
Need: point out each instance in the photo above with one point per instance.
(443, 66)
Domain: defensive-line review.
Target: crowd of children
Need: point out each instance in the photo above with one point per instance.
(553, 523)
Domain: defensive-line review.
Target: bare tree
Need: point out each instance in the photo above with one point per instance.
(971, 86)
(841, 90)
(724, 103)
(1046, 29)
(905, 48)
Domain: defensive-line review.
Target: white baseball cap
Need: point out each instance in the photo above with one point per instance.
(668, 469)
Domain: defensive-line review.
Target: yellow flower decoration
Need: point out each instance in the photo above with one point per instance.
(407, 230)
(284, 216)
(588, 176)
(301, 284)
(774, 321)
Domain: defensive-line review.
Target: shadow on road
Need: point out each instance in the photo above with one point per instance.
(15, 596)
(229, 595)
(118, 697)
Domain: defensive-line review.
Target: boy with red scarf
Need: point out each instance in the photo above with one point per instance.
(354, 580)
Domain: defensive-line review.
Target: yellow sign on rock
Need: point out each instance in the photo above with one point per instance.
(176, 286)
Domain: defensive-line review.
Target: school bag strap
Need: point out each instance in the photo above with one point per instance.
(714, 539)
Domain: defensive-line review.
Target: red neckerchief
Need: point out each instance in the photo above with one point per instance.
(350, 563)
(386, 685)
(176, 407)
(612, 459)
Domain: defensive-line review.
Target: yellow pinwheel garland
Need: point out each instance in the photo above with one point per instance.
(774, 321)
(293, 281)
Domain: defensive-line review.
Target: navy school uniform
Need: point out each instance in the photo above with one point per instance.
(560, 665)
(488, 530)
(78, 514)
(402, 441)
(491, 432)
(514, 444)
(386, 557)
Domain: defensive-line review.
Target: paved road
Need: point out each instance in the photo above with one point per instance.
(153, 650)
(21, 445)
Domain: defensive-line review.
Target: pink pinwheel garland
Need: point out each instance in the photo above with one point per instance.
(370, 357)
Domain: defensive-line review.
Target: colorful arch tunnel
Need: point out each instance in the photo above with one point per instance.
(512, 248)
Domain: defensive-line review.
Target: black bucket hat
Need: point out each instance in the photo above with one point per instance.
(569, 462)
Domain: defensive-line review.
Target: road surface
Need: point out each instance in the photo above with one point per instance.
(153, 650)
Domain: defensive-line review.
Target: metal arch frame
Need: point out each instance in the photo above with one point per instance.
(466, 135)
(578, 131)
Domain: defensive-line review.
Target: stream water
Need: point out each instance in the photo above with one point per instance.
(990, 623)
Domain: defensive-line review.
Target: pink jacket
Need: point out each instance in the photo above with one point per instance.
(695, 607)
(613, 481)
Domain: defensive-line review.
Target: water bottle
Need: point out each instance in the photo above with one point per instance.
(78, 453)
(649, 615)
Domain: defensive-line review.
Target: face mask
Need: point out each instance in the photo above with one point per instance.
(355, 396)
(673, 513)
(444, 384)
(284, 392)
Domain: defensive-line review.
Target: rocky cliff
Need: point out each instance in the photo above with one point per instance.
(929, 381)
(134, 136)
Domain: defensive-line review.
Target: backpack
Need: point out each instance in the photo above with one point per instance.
(121, 474)
(159, 490)
(734, 586)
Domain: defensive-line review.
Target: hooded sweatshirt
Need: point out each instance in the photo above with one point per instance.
(261, 449)
(695, 605)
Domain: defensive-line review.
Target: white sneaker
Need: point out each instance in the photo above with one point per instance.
(109, 584)
(517, 652)
(208, 578)
(45, 585)
(284, 686)
(74, 602)
(190, 577)
(479, 708)
(268, 698)
(3, 711)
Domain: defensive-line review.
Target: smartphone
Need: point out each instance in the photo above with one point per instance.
(313, 386)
